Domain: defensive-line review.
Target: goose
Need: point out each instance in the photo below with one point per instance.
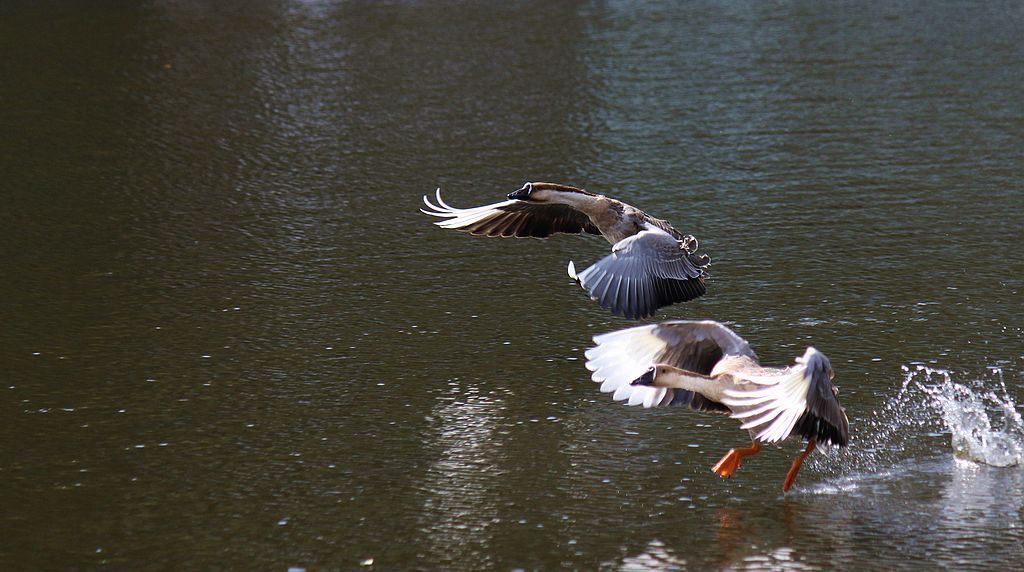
(652, 265)
(708, 367)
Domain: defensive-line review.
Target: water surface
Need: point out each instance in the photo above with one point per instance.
(231, 340)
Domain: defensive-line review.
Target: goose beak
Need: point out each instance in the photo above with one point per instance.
(646, 379)
(522, 194)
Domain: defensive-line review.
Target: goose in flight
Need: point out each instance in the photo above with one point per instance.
(707, 367)
(652, 265)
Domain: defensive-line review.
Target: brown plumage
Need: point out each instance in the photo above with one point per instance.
(706, 366)
(651, 265)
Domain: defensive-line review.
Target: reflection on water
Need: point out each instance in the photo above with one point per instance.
(459, 510)
(231, 341)
(654, 557)
(982, 506)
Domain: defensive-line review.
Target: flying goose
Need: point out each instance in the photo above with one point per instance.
(706, 366)
(651, 265)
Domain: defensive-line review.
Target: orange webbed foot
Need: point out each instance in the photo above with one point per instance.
(728, 464)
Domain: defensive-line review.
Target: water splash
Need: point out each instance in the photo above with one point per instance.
(984, 423)
(977, 417)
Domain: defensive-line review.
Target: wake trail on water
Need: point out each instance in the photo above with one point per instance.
(976, 416)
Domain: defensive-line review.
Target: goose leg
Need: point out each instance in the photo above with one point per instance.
(795, 468)
(727, 465)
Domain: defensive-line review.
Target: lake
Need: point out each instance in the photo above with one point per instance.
(231, 340)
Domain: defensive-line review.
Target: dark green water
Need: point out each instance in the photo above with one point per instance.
(230, 340)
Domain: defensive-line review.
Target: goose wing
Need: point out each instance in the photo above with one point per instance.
(644, 272)
(622, 356)
(510, 218)
(799, 399)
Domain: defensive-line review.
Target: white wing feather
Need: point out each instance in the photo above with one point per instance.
(460, 218)
(622, 356)
(772, 410)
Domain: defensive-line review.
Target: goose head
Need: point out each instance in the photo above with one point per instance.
(523, 194)
(549, 193)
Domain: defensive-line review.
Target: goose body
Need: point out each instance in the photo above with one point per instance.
(708, 367)
(652, 264)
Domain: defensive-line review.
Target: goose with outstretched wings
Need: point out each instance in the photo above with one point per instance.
(708, 367)
(652, 265)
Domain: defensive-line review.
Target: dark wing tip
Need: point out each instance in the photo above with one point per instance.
(825, 419)
(636, 297)
(672, 291)
(811, 426)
